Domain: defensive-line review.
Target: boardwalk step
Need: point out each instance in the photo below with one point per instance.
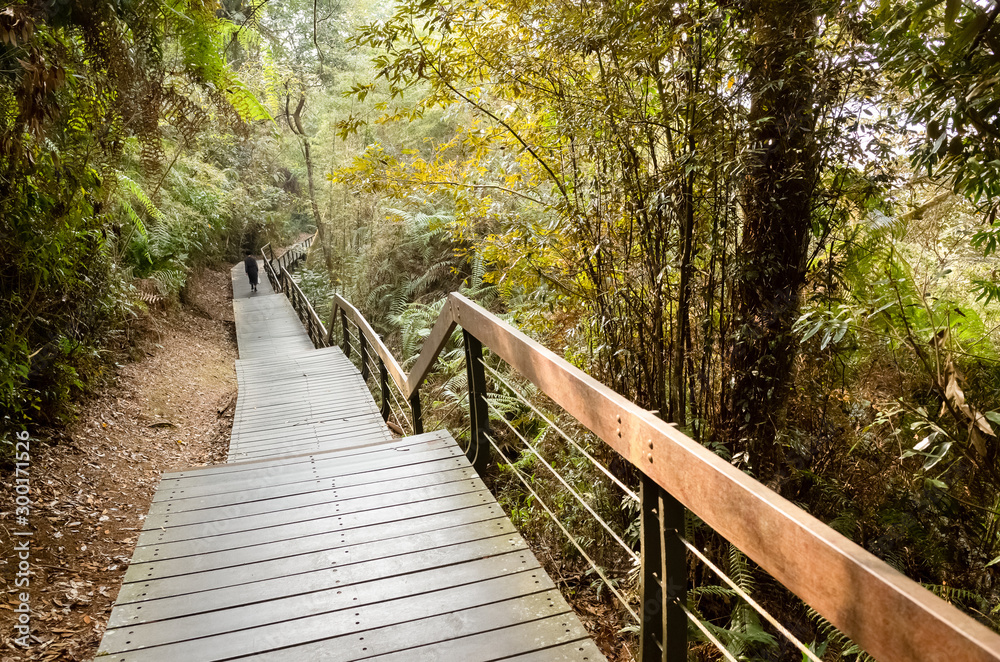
(324, 538)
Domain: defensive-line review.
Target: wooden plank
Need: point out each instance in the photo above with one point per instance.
(340, 546)
(260, 498)
(495, 551)
(521, 640)
(581, 650)
(384, 628)
(539, 616)
(450, 504)
(207, 554)
(369, 594)
(439, 438)
(142, 585)
(312, 396)
(442, 459)
(308, 440)
(208, 495)
(313, 440)
(265, 428)
(276, 499)
(368, 424)
(335, 442)
(295, 415)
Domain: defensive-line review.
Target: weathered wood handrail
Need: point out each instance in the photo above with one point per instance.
(387, 364)
(374, 340)
(290, 255)
(272, 277)
(890, 616)
(314, 325)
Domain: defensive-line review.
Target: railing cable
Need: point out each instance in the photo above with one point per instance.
(399, 407)
(629, 493)
(374, 368)
(750, 601)
(580, 499)
(708, 635)
(597, 569)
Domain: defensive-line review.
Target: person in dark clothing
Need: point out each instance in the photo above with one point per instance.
(251, 266)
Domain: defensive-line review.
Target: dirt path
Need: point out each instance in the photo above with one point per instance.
(91, 483)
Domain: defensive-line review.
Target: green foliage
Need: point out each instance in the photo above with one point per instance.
(592, 165)
(943, 53)
(86, 203)
(835, 643)
(744, 636)
(315, 284)
(399, 262)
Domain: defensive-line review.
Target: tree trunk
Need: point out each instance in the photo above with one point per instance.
(683, 322)
(781, 175)
(328, 258)
(295, 124)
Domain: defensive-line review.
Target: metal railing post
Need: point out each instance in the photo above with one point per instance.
(663, 630)
(383, 379)
(479, 445)
(363, 342)
(347, 334)
(675, 626)
(324, 335)
(651, 588)
(418, 419)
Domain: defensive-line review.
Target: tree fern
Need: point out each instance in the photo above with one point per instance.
(127, 188)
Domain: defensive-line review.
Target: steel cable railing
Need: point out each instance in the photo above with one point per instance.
(401, 423)
(569, 536)
(798, 551)
(523, 398)
(272, 276)
(569, 488)
(549, 510)
(750, 601)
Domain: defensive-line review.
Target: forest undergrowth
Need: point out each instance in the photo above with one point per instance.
(169, 407)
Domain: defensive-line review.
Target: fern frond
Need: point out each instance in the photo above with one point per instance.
(712, 590)
(959, 595)
(739, 570)
(137, 223)
(139, 194)
(837, 638)
(247, 105)
(168, 281)
(459, 383)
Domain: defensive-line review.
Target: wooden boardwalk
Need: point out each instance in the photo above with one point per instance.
(324, 538)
